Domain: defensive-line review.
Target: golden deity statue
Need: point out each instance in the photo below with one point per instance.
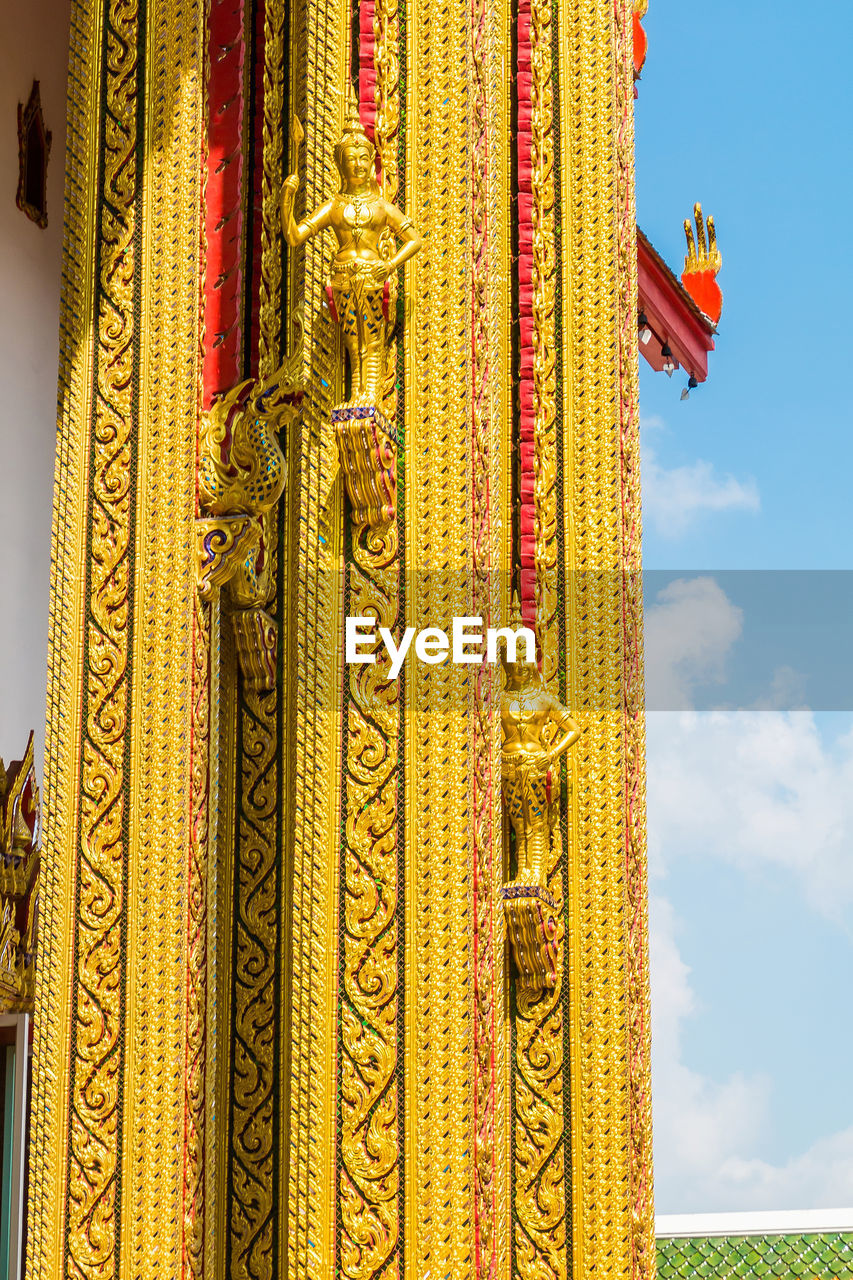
(367, 227)
(527, 712)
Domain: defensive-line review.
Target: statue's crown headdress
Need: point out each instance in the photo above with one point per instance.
(353, 128)
(516, 622)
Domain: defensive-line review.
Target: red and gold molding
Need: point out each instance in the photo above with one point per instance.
(490, 426)
(526, 551)
(224, 199)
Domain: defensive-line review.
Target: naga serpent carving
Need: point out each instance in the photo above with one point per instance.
(242, 474)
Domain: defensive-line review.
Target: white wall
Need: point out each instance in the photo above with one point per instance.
(33, 45)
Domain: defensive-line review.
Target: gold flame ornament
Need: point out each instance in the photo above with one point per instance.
(701, 265)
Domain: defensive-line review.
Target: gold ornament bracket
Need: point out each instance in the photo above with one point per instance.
(242, 473)
(367, 443)
(20, 864)
(533, 926)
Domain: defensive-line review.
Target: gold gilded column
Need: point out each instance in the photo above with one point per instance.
(611, 1194)
(112, 1040)
(439, 971)
(319, 59)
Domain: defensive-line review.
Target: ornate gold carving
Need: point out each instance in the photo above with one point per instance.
(256, 636)
(643, 1253)
(535, 935)
(307, 1222)
(20, 861)
(544, 351)
(367, 226)
(489, 97)
(256, 1096)
(225, 547)
(33, 151)
(386, 35)
(541, 1195)
(199, 1031)
(607, 1027)
(52, 1064)
(708, 256)
(439, 858)
(155, 1164)
(370, 1173)
(369, 1153)
(255, 945)
(241, 478)
(96, 1031)
(529, 714)
(270, 329)
(367, 442)
(109, 1095)
(701, 265)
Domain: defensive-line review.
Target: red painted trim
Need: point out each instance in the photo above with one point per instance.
(223, 279)
(672, 315)
(367, 69)
(526, 387)
(705, 292)
(256, 209)
(641, 45)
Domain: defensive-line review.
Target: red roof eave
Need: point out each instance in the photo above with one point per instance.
(671, 314)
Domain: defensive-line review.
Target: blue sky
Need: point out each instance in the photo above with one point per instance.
(744, 106)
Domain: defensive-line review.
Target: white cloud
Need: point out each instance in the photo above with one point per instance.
(690, 630)
(652, 422)
(674, 497)
(760, 789)
(706, 1132)
(698, 1124)
(821, 1177)
(765, 791)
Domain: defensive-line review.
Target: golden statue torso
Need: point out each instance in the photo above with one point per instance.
(359, 223)
(527, 710)
(524, 715)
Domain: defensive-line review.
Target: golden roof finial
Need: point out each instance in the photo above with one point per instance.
(702, 253)
(701, 265)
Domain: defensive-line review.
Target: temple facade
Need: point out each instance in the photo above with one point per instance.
(335, 939)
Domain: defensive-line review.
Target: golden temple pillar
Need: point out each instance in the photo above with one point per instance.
(117, 1031)
(281, 1031)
